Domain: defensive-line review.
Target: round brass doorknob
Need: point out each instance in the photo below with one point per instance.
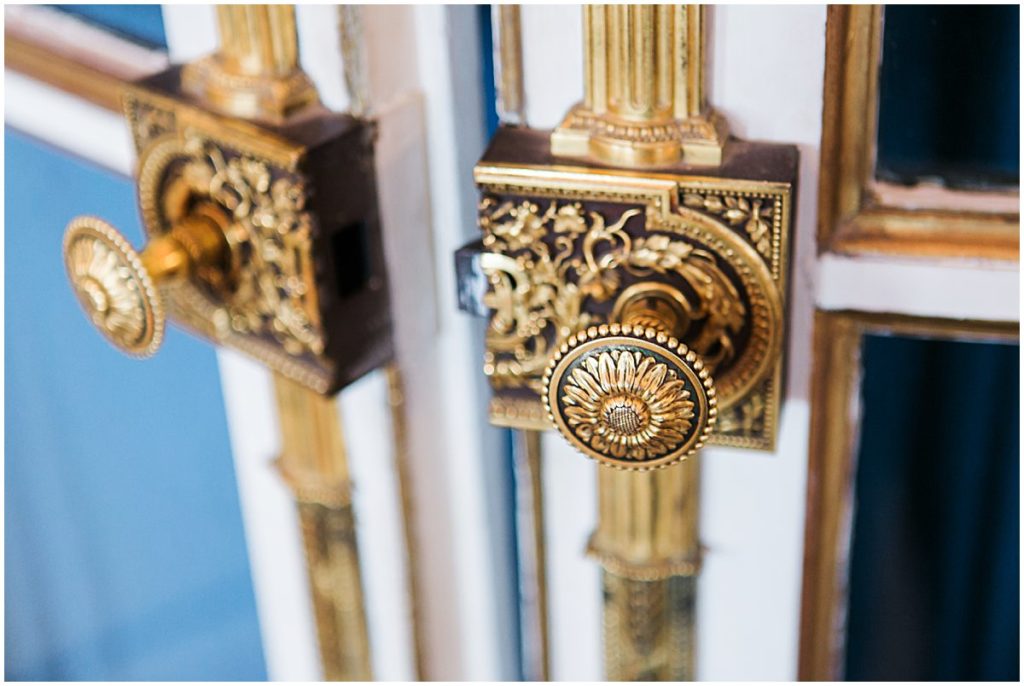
(631, 397)
(117, 286)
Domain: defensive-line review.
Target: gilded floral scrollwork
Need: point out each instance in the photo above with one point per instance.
(537, 291)
(547, 260)
(745, 418)
(719, 305)
(272, 296)
(754, 214)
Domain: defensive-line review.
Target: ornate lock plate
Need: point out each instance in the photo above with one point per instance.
(567, 243)
(305, 292)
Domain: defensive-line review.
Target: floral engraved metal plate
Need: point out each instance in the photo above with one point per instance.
(304, 289)
(565, 249)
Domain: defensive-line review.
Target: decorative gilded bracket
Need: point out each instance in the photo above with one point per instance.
(260, 207)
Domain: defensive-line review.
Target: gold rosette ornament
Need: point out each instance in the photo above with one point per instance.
(113, 286)
(118, 287)
(630, 397)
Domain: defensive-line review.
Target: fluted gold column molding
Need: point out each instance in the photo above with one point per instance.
(644, 105)
(314, 463)
(647, 526)
(644, 102)
(255, 74)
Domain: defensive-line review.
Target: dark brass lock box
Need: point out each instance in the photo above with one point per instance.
(260, 206)
(633, 265)
(306, 289)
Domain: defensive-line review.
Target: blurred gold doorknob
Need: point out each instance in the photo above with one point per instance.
(118, 287)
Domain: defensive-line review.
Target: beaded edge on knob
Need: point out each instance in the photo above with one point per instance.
(671, 344)
(105, 232)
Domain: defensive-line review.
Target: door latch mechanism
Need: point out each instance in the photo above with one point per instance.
(633, 262)
(633, 269)
(261, 212)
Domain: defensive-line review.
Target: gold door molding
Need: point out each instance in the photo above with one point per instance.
(835, 418)
(858, 214)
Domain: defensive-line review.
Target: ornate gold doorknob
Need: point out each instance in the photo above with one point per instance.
(631, 395)
(118, 286)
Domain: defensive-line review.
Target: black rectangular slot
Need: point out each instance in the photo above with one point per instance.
(350, 249)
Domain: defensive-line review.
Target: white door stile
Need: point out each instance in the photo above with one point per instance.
(461, 516)
(68, 123)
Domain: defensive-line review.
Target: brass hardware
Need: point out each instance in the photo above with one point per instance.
(644, 103)
(648, 524)
(567, 248)
(299, 281)
(647, 542)
(117, 287)
(626, 257)
(630, 396)
(314, 463)
(649, 628)
(255, 74)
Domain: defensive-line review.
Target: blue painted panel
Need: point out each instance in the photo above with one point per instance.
(125, 554)
(141, 23)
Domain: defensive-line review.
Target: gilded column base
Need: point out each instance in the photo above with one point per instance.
(262, 97)
(623, 142)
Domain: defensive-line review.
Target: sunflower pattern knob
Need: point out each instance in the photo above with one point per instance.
(630, 397)
(114, 288)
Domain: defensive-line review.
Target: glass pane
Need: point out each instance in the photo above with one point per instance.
(949, 95)
(140, 23)
(125, 553)
(935, 566)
